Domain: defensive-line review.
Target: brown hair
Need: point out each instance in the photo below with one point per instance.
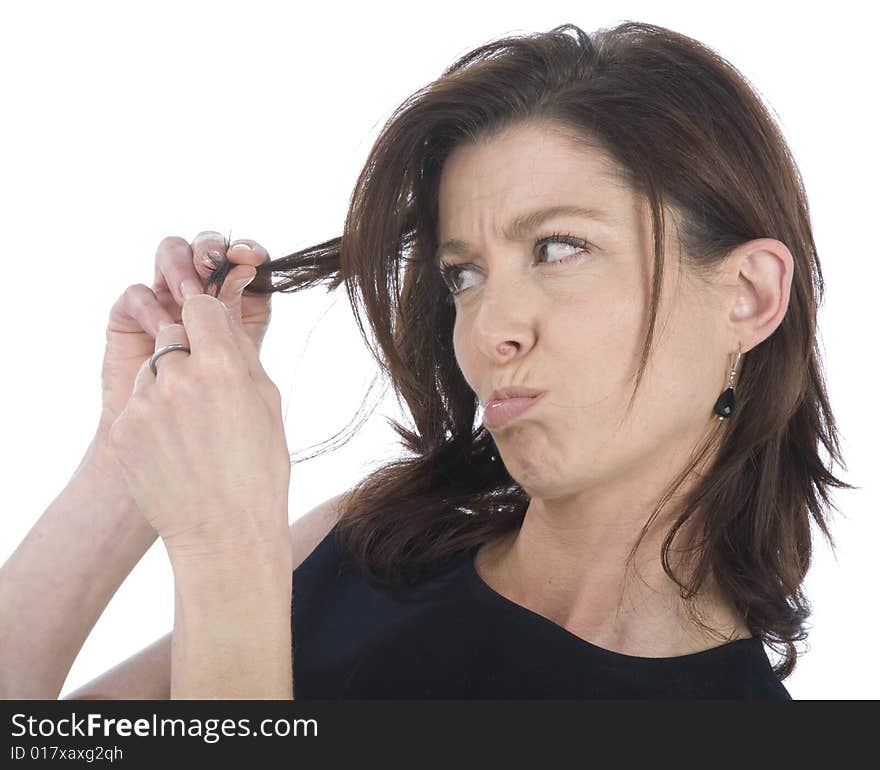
(686, 131)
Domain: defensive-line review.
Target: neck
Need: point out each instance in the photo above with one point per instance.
(588, 591)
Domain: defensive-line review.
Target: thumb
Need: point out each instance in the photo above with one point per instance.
(232, 300)
(233, 287)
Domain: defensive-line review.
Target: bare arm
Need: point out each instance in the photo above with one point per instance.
(59, 580)
(232, 625)
(146, 675)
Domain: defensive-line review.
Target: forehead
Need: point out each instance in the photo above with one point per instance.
(524, 168)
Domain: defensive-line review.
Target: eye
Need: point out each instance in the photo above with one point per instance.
(451, 273)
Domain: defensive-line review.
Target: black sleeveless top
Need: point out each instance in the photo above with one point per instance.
(453, 636)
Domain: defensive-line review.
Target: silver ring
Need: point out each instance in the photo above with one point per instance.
(162, 351)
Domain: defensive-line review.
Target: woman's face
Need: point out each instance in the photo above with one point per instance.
(572, 322)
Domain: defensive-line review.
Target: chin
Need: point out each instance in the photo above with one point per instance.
(536, 476)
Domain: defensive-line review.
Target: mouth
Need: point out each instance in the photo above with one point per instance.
(515, 391)
(499, 412)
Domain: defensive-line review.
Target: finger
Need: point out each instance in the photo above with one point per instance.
(174, 333)
(211, 252)
(174, 264)
(209, 249)
(177, 261)
(201, 324)
(208, 327)
(248, 351)
(235, 284)
(142, 306)
(246, 252)
(253, 304)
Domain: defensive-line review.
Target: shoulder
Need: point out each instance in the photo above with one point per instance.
(309, 529)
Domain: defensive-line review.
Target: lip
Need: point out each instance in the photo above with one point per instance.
(500, 412)
(514, 391)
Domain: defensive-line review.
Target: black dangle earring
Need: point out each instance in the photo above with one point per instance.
(725, 403)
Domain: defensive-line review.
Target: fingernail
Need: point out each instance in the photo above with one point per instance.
(213, 258)
(189, 288)
(240, 247)
(239, 285)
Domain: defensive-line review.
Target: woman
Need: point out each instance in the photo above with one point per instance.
(635, 529)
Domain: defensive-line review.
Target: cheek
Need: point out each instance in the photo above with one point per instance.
(688, 375)
(464, 355)
(595, 336)
(457, 347)
(685, 384)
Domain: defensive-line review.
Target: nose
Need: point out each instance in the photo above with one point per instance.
(503, 326)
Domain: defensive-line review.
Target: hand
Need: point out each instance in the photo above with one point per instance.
(201, 444)
(139, 312)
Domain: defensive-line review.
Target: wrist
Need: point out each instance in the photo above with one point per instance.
(212, 557)
(99, 460)
(98, 481)
(234, 578)
(99, 475)
(232, 628)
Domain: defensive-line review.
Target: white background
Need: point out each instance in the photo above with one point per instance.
(122, 124)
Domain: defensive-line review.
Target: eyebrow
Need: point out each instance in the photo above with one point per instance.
(522, 226)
